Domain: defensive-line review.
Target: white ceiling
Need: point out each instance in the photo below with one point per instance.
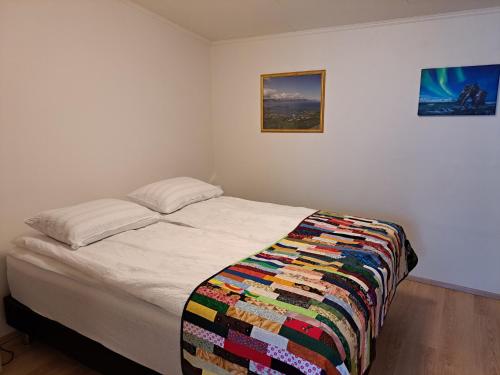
(228, 19)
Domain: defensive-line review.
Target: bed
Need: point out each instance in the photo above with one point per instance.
(125, 292)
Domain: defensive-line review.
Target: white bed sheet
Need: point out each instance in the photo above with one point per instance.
(257, 221)
(160, 264)
(128, 291)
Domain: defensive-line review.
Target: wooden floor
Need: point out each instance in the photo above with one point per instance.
(429, 330)
(39, 359)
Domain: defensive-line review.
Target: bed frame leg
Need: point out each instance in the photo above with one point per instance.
(26, 339)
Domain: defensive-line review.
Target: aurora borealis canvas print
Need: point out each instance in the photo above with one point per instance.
(459, 91)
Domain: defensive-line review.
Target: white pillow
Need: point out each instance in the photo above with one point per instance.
(92, 221)
(171, 195)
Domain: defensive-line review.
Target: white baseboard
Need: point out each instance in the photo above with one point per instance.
(9, 336)
(456, 287)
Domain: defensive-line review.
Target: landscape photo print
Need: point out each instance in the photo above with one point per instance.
(293, 102)
(459, 91)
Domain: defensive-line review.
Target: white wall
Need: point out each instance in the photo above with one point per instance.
(439, 177)
(97, 97)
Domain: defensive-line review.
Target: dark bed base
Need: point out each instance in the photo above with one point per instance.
(88, 352)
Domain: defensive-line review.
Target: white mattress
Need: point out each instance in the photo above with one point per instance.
(128, 291)
(129, 326)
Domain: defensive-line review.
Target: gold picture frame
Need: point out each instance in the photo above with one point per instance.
(289, 102)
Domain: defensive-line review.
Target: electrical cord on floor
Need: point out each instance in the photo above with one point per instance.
(10, 352)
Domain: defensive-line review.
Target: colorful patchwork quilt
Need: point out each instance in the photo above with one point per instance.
(312, 303)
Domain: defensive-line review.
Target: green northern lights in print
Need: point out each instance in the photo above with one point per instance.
(469, 90)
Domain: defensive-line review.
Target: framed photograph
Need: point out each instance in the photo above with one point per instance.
(459, 91)
(293, 102)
